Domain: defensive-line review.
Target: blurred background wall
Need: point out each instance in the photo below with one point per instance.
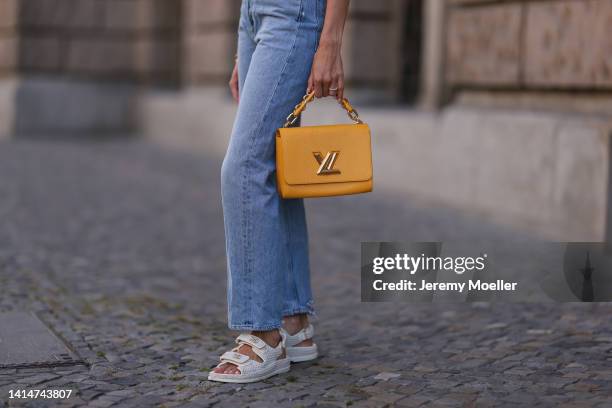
(77, 62)
(502, 107)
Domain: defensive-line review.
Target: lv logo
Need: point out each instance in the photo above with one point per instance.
(326, 164)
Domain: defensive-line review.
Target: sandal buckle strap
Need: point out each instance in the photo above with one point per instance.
(234, 357)
(251, 340)
(304, 334)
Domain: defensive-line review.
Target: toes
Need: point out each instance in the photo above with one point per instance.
(227, 369)
(231, 369)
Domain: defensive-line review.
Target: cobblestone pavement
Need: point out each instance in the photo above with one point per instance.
(117, 246)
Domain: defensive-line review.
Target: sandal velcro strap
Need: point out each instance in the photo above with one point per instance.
(233, 357)
(308, 332)
(302, 335)
(251, 340)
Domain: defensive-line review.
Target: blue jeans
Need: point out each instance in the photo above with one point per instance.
(266, 236)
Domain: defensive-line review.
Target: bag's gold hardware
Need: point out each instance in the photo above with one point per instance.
(352, 112)
(300, 107)
(327, 163)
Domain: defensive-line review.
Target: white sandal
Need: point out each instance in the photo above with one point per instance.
(296, 353)
(253, 370)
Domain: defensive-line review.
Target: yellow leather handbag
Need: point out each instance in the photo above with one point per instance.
(321, 161)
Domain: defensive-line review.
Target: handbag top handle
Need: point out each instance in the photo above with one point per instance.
(299, 108)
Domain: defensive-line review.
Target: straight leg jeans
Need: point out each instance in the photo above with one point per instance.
(266, 236)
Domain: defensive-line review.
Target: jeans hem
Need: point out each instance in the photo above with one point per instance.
(308, 309)
(258, 327)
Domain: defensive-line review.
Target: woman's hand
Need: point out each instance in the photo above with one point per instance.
(233, 83)
(327, 73)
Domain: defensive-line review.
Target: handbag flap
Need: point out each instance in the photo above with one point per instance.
(325, 154)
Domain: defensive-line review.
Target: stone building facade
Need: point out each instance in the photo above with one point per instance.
(523, 88)
(444, 51)
(563, 48)
(72, 65)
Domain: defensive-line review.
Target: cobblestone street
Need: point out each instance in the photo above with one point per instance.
(118, 247)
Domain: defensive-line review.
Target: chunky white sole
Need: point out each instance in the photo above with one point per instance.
(277, 367)
(300, 354)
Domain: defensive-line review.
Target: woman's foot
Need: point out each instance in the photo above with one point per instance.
(298, 334)
(271, 338)
(254, 359)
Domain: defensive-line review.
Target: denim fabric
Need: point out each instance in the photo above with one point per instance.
(266, 236)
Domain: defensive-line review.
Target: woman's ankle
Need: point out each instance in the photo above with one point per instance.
(295, 323)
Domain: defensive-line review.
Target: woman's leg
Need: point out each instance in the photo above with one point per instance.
(298, 302)
(246, 47)
(266, 236)
(298, 296)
